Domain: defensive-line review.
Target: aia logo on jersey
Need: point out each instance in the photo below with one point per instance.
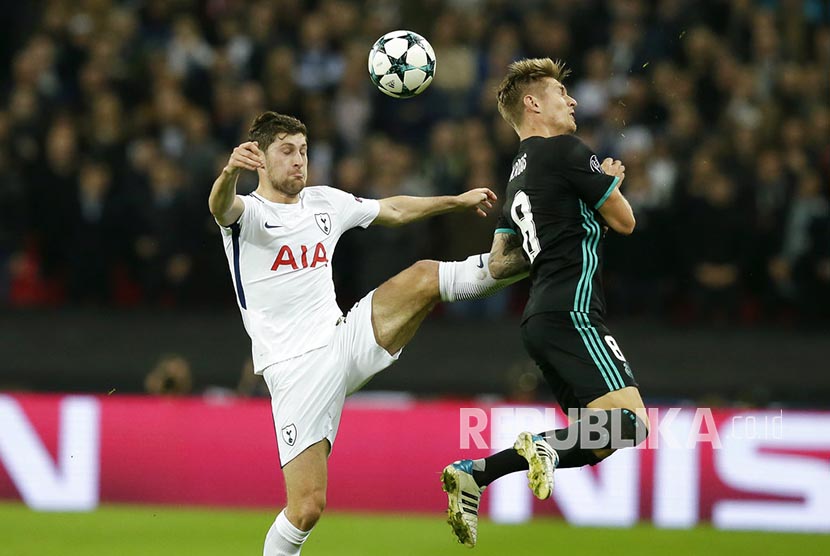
(287, 257)
(323, 221)
(595, 165)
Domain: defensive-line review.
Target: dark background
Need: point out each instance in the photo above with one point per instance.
(115, 117)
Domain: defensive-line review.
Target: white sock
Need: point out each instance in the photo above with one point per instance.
(470, 279)
(283, 539)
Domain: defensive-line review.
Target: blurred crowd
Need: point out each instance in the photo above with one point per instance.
(116, 116)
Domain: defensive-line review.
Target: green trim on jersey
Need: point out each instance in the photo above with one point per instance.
(582, 301)
(603, 352)
(505, 231)
(607, 193)
(590, 260)
(601, 365)
(596, 349)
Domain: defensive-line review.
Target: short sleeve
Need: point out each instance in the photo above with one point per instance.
(583, 171)
(248, 218)
(504, 226)
(354, 211)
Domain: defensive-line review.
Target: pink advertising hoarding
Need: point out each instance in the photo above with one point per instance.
(735, 469)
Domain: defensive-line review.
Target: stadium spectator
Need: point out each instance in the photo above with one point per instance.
(94, 234)
(716, 240)
(171, 376)
(670, 87)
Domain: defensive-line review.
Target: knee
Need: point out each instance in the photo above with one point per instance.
(599, 455)
(641, 413)
(425, 278)
(635, 425)
(632, 427)
(308, 510)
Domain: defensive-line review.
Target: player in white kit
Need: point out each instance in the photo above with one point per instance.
(280, 241)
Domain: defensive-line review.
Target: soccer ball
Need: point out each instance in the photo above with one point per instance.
(402, 64)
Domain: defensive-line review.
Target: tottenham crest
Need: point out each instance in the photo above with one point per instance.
(289, 434)
(323, 221)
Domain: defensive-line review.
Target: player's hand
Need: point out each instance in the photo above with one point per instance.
(246, 156)
(613, 168)
(481, 199)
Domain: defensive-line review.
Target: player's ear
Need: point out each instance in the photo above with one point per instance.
(530, 103)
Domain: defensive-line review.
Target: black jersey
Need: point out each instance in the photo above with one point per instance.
(555, 189)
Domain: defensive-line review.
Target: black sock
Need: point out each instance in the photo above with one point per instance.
(509, 461)
(562, 440)
(570, 455)
(599, 430)
(500, 464)
(614, 428)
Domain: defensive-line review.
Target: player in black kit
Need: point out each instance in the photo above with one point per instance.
(560, 203)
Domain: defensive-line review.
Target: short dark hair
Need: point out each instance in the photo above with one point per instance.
(270, 125)
(522, 76)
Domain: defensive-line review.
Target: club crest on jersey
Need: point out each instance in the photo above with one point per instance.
(518, 167)
(323, 221)
(289, 434)
(595, 166)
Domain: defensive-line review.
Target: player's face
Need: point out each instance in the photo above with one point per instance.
(558, 107)
(286, 163)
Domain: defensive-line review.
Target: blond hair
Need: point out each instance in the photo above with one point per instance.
(522, 76)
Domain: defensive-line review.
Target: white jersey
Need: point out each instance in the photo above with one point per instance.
(280, 261)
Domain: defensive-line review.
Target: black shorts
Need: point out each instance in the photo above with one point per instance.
(577, 355)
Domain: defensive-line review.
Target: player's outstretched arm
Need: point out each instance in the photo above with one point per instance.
(506, 257)
(402, 209)
(615, 210)
(224, 205)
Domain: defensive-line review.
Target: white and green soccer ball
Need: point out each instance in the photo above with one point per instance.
(402, 64)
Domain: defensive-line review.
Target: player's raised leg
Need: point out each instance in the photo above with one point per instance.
(628, 402)
(614, 420)
(305, 485)
(400, 304)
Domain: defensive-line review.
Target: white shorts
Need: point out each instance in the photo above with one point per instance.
(308, 391)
